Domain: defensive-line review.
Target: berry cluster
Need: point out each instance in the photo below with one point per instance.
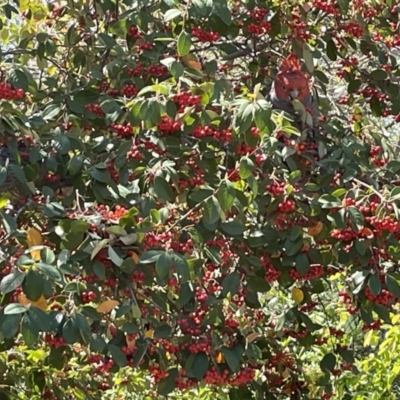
(329, 7)
(168, 126)
(384, 297)
(111, 215)
(136, 71)
(345, 234)
(156, 70)
(314, 272)
(145, 46)
(186, 99)
(223, 135)
(95, 109)
(299, 27)
(204, 36)
(276, 188)
(87, 297)
(54, 341)
(287, 206)
(384, 224)
(123, 130)
(375, 326)
(129, 90)
(262, 28)
(134, 33)
(8, 93)
(354, 29)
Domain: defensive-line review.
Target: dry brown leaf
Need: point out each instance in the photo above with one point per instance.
(34, 238)
(107, 306)
(367, 233)
(40, 303)
(316, 229)
(251, 337)
(191, 61)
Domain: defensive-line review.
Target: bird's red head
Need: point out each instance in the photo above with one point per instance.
(290, 81)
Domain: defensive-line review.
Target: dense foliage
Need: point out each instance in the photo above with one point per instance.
(165, 232)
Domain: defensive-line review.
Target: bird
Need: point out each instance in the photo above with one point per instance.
(13, 180)
(291, 92)
(291, 84)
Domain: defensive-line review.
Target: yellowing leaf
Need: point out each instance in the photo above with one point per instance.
(34, 238)
(107, 306)
(396, 319)
(40, 303)
(135, 257)
(220, 358)
(285, 373)
(316, 229)
(297, 295)
(149, 333)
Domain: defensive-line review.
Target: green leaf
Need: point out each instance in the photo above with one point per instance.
(197, 365)
(49, 270)
(151, 256)
(223, 12)
(11, 281)
(117, 355)
(329, 201)
(10, 325)
(379, 74)
(168, 384)
(141, 351)
(375, 285)
(163, 265)
(181, 265)
(184, 43)
(100, 175)
(233, 357)
(226, 194)
(19, 79)
(392, 285)
(177, 70)
(328, 362)
(331, 50)
(14, 308)
(356, 218)
(308, 59)
(107, 40)
(163, 331)
(172, 14)
(302, 264)
(246, 167)
(29, 332)
(163, 189)
(211, 211)
(33, 285)
(233, 228)
(258, 284)
(230, 284)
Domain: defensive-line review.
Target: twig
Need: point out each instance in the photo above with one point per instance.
(371, 188)
(135, 302)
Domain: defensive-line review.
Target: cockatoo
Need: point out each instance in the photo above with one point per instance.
(290, 84)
